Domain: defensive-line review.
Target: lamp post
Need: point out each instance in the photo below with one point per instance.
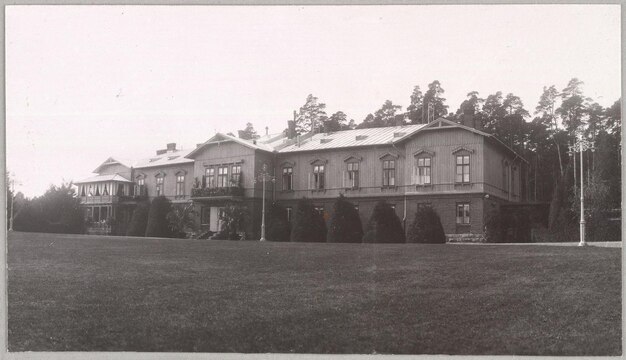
(581, 144)
(264, 176)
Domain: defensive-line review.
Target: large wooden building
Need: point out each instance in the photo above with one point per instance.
(463, 173)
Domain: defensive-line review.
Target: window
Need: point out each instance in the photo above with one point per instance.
(235, 176)
(205, 217)
(159, 186)
(120, 190)
(353, 175)
(222, 176)
(318, 177)
(423, 171)
(210, 177)
(462, 169)
(180, 185)
(140, 182)
(288, 214)
(82, 190)
(423, 205)
(288, 178)
(463, 213)
(97, 190)
(389, 173)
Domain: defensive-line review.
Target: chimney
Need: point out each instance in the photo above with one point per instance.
(291, 129)
(171, 147)
(267, 131)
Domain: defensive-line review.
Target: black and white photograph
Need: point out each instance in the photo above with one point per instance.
(300, 180)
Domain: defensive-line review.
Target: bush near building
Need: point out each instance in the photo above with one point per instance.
(426, 227)
(181, 220)
(233, 219)
(345, 223)
(308, 224)
(508, 227)
(158, 226)
(139, 220)
(277, 224)
(384, 225)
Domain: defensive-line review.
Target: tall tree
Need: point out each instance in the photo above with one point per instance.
(387, 113)
(370, 121)
(546, 111)
(311, 115)
(248, 133)
(505, 119)
(434, 96)
(336, 122)
(414, 110)
(573, 107)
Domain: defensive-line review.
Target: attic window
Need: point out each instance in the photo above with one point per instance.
(324, 141)
(361, 137)
(155, 159)
(398, 134)
(172, 157)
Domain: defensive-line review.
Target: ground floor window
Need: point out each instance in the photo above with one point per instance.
(463, 213)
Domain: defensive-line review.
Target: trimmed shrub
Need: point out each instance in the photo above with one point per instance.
(277, 224)
(426, 227)
(308, 224)
(385, 225)
(158, 226)
(181, 220)
(345, 223)
(139, 220)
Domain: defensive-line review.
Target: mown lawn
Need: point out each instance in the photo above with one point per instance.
(78, 293)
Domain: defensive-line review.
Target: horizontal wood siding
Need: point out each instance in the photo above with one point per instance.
(443, 167)
(227, 153)
(115, 169)
(370, 172)
(169, 181)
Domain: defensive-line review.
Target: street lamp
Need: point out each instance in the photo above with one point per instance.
(581, 144)
(264, 176)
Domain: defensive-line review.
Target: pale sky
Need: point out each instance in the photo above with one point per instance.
(87, 82)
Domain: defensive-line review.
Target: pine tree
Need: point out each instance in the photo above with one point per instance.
(308, 224)
(345, 223)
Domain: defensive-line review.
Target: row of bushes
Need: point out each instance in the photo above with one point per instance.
(160, 219)
(384, 226)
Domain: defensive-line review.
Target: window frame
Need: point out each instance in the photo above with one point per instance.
(389, 173)
(235, 174)
(222, 176)
(287, 178)
(209, 177)
(465, 173)
(465, 218)
(319, 176)
(353, 169)
(180, 185)
(424, 167)
(160, 185)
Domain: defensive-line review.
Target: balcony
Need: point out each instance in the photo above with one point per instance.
(217, 192)
(99, 199)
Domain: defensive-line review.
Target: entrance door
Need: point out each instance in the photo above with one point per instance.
(215, 224)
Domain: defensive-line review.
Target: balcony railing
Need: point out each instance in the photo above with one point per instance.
(99, 199)
(217, 191)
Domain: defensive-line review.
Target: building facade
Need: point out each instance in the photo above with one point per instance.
(461, 172)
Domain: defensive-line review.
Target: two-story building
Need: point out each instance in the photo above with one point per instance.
(462, 172)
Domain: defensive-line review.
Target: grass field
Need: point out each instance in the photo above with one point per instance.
(78, 293)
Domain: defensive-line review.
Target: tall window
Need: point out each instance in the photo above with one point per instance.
(353, 175)
(141, 182)
(139, 189)
(209, 175)
(222, 176)
(423, 171)
(287, 178)
(159, 186)
(106, 190)
(389, 173)
(462, 169)
(180, 185)
(235, 174)
(318, 176)
(463, 213)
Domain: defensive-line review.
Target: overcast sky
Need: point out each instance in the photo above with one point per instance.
(87, 82)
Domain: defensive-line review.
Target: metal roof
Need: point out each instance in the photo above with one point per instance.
(100, 178)
(219, 137)
(165, 159)
(112, 161)
(353, 138)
